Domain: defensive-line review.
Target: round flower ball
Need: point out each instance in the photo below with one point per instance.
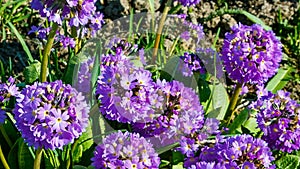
(242, 151)
(126, 93)
(125, 150)
(251, 54)
(279, 118)
(51, 115)
(182, 114)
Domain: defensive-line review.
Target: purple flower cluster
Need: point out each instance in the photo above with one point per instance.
(241, 151)
(250, 54)
(7, 90)
(125, 150)
(40, 32)
(188, 2)
(182, 114)
(201, 62)
(192, 64)
(78, 12)
(189, 144)
(160, 109)
(126, 93)
(279, 118)
(51, 115)
(83, 84)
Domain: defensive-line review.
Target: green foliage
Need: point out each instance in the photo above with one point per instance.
(216, 107)
(20, 155)
(32, 72)
(10, 15)
(256, 20)
(20, 38)
(282, 77)
(82, 144)
(235, 126)
(288, 162)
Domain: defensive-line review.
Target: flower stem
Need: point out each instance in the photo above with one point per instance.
(46, 53)
(6, 136)
(38, 157)
(159, 30)
(3, 160)
(233, 102)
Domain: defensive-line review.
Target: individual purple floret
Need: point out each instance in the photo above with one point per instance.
(241, 151)
(250, 54)
(188, 2)
(125, 150)
(51, 115)
(66, 41)
(279, 118)
(7, 90)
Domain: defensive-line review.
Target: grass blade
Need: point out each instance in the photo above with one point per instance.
(20, 38)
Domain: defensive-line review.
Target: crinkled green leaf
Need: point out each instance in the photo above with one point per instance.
(32, 72)
(84, 142)
(12, 157)
(288, 162)
(25, 159)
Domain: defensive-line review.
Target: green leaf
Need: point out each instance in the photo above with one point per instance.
(173, 69)
(239, 120)
(219, 102)
(12, 157)
(32, 72)
(84, 142)
(251, 125)
(279, 80)
(51, 159)
(255, 19)
(25, 159)
(167, 148)
(178, 166)
(177, 157)
(7, 4)
(79, 167)
(164, 163)
(11, 130)
(204, 90)
(288, 162)
(137, 63)
(20, 38)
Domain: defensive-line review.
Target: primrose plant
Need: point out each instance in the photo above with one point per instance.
(137, 102)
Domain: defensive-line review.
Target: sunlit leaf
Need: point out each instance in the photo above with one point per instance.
(279, 80)
(288, 162)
